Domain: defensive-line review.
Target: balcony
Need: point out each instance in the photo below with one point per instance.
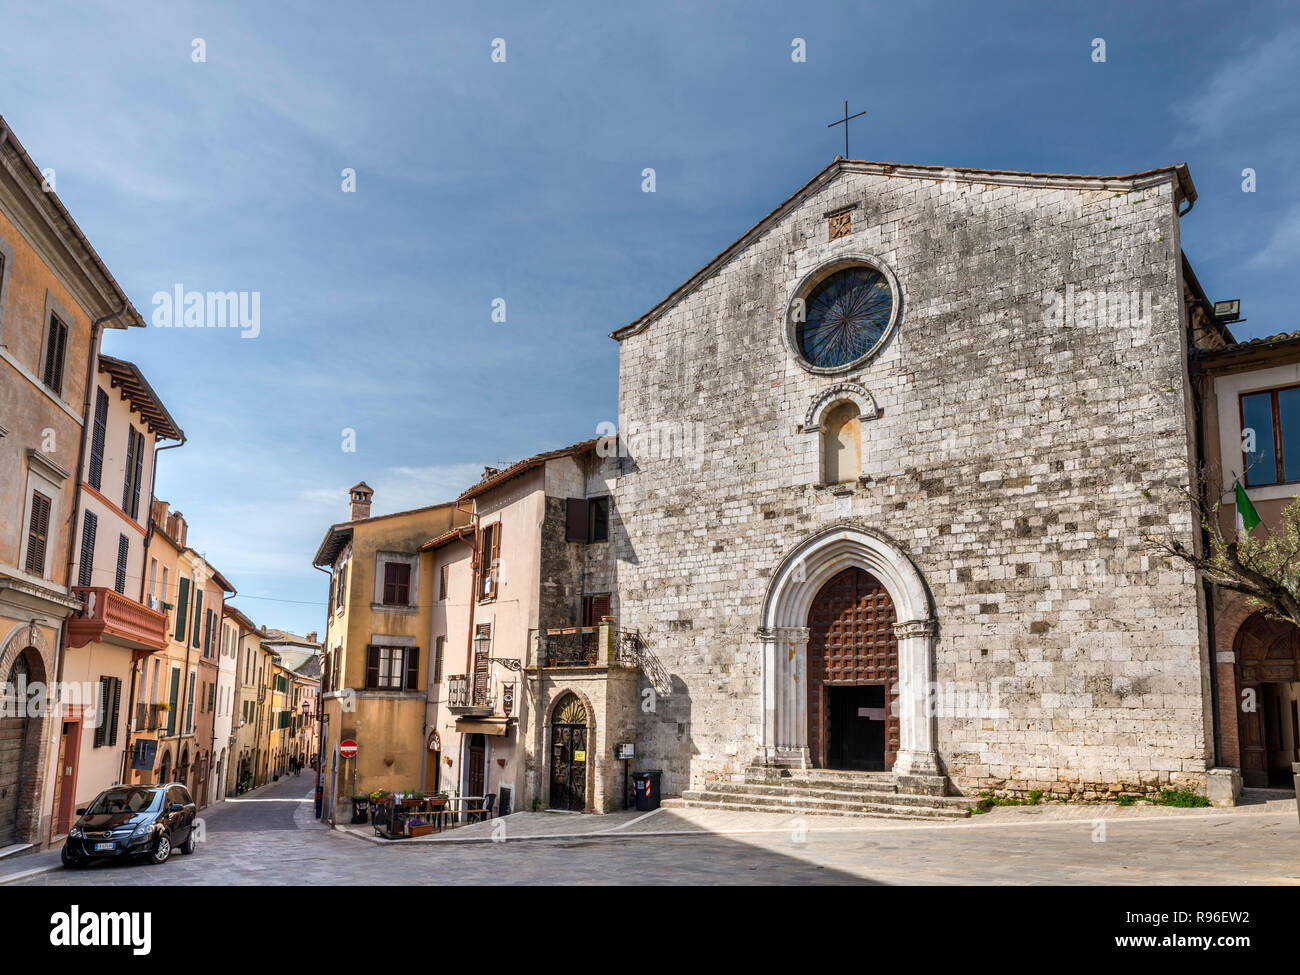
(107, 616)
(586, 646)
(464, 698)
(150, 717)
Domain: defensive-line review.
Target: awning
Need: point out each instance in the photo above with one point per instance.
(483, 726)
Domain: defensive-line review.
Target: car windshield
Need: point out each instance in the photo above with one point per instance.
(125, 801)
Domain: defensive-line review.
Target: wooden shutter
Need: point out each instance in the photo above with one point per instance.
(97, 439)
(139, 474)
(86, 564)
(575, 520)
(481, 665)
(494, 564)
(343, 585)
(123, 554)
(55, 351)
(390, 583)
(412, 669)
(198, 611)
(101, 719)
(435, 664)
(130, 469)
(182, 608)
(38, 530)
(372, 666)
(116, 710)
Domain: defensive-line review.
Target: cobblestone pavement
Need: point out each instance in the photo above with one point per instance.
(270, 838)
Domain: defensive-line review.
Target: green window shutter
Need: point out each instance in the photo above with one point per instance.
(174, 701)
(182, 608)
(198, 615)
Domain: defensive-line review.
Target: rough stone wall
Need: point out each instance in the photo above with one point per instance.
(1017, 461)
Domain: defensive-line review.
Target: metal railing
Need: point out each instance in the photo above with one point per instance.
(461, 693)
(571, 646)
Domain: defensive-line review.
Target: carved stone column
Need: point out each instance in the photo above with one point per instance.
(917, 753)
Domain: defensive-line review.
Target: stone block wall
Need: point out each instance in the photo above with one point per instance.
(1021, 461)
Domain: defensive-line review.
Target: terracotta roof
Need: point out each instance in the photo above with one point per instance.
(1282, 338)
(234, 613)
(523, 466)
(337, 536)
(127, 376)
(463, 532)
(1127, 181)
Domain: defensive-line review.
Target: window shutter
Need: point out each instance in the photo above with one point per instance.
(116, 712)
(130, 469)
(123, 553)
(436, 663)
(343, 585)
(101, 719)
(86, 564)
(55, 351)
(139, 474)
(182, 608)
(38, 530)
(390, 583)
(372, 666)
(198, 611)
(494, 565)
(97, 439)
(412, 669)
(575, 521)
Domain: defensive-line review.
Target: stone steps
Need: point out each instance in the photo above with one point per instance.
(848, 797)
(834, 793)
(796, 804)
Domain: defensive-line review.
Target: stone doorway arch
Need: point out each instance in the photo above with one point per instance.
(26, 660)
(570, 740)
(1266, 655)
(784, 633)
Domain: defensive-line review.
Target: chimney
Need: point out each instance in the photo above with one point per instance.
(161, 512)
(311, 637)
(176, 528)
(360, 495)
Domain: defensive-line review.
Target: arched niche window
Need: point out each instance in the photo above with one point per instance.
(841, 443)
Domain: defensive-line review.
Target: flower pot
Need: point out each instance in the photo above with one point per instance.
(419, 829)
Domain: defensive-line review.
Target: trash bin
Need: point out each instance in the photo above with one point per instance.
(646, 786)
(360, 809)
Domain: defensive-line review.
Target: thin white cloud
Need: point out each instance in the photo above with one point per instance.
(1254, 83)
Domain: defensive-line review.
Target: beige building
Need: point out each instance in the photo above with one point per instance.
(116, 629)
(56, 300)
(534, 693)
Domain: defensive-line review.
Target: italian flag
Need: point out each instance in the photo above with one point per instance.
(1247, 516)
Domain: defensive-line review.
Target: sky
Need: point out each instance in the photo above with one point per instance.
(205, 146)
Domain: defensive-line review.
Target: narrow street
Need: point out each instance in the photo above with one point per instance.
(270, 837)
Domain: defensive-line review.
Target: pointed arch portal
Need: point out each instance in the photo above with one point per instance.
(810, 595)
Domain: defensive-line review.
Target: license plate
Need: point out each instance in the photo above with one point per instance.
(104, 846)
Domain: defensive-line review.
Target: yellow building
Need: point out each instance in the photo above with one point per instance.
(374, 680)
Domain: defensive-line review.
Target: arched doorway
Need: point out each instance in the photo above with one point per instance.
(1267, 666)
(569, 754)
(852, 674)
(15, 735)
(183, 769)
(164, 768)
(786, 630)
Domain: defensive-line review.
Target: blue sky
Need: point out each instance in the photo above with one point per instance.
(522, 180)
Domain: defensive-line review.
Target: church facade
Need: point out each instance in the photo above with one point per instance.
(892, 468)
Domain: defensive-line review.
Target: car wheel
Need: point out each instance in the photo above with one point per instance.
(71, 860)
(162, 849)
(188, 846)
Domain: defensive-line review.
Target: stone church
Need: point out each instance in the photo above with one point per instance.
(894, 463)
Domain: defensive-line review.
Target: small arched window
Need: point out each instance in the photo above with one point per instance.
(842, 443)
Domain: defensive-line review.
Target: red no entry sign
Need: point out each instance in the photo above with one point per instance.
(348, 748)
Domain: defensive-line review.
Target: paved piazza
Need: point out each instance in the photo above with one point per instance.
(271, 838)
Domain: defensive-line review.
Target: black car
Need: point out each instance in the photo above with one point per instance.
(132, 821)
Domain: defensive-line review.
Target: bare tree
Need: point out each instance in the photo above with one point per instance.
(1263, 565)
